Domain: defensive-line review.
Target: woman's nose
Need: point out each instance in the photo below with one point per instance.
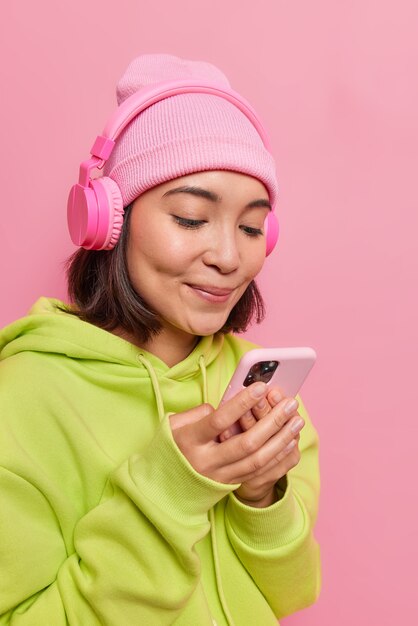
(223, 253)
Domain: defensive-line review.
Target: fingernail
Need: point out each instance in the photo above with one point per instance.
(290, 406)
(276, 397)
(261, 404)
(296, 426)
(258, 390)
(290, 446)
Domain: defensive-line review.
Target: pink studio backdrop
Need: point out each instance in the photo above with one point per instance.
(336, 84)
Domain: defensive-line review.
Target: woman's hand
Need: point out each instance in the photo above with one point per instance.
(260, 491)
(256, 458)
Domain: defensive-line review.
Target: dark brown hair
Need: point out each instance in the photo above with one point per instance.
(101, 291)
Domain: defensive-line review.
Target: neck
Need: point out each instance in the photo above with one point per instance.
(170, 346)
(171, 349)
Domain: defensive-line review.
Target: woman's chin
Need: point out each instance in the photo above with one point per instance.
(204, 328)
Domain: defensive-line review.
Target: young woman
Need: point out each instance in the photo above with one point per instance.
(124, 498)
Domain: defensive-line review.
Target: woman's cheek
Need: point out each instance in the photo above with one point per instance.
(257, 265)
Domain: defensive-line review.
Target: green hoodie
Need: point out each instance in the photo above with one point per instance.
(103, 520)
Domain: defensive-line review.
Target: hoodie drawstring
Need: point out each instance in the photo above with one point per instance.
(161, 413)
(202, 367)
(212, 517)
(155, 385)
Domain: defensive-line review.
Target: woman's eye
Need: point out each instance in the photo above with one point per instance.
(252, 232)
(188, 223)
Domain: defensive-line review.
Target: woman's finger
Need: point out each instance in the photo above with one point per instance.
(250, 459)
(249, 419)
(261, 409)
(273, 471)
(245, 422)
(248, 451)
(177, 420)
(230, 412)
(275, 395)
(252, 450)
(288, 449)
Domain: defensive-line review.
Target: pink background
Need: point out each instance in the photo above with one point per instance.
(336, 85)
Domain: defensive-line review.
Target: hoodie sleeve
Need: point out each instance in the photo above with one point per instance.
(133, 559)
(276, 544)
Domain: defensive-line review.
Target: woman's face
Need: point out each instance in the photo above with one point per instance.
(195, 244)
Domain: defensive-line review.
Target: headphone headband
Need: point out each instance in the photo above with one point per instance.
(95, 207)
(147, 96)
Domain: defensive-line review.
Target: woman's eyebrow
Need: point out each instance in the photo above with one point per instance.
(213, 197)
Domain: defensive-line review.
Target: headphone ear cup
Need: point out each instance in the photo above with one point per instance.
(271, 229)
(95, 214)
(110, 215)
(82, 210)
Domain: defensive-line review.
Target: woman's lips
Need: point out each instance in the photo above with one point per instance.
(211, 294)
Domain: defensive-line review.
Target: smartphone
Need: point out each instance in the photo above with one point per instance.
(286, 368)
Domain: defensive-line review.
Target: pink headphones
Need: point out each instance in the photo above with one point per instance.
(95, 206)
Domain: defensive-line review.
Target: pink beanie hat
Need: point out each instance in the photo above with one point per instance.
(184, 133)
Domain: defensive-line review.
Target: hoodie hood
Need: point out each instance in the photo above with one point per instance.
(49, 329)
(84, 364)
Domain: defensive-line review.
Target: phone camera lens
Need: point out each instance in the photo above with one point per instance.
(267, 369)
(249, 380)
(263, 370)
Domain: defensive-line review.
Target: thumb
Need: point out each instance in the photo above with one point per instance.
(178, 420)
